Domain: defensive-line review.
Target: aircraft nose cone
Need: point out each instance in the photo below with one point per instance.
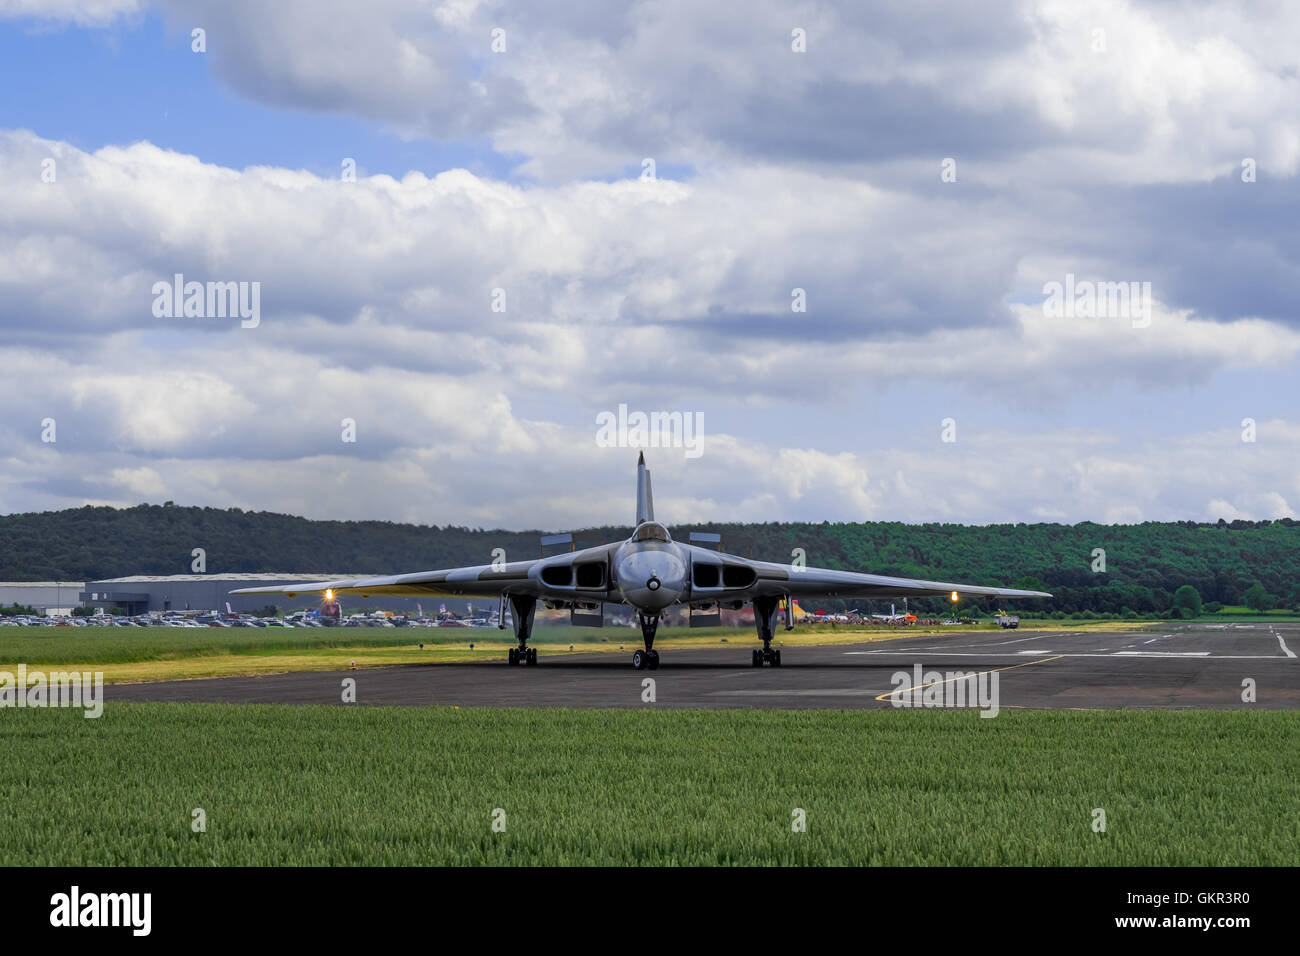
(650, 581)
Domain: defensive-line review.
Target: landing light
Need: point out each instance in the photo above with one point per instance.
(954, 595)
(329, 594)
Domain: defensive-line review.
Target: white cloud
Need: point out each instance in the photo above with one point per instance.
(817, 171)
(376, 299)
(1181, 92)
(81, 12)
(139, 482)
(402, 273)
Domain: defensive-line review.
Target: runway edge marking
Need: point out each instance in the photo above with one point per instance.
(1010, 667)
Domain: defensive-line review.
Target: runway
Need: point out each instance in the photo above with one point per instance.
(1188, 666)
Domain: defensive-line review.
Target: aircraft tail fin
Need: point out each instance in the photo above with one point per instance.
(645, 505)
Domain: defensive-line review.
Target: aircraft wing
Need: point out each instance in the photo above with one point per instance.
(778, 580)
(539, 578)
(820, 582)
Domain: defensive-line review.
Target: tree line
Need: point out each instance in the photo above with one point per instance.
(1104, 569)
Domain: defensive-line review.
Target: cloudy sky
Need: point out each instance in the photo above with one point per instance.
(560, 208)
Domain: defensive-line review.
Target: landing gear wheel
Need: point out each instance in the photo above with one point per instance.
(776, 658)
(647, 659)
(758, 659)
(532, 657)
(513, 657)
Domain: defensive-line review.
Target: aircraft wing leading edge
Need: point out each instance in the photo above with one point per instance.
(523, 578)
(516, 577)
(779, 580)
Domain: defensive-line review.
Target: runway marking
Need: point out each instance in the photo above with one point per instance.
(813, 692)
(904, 690)
(1199, 655)
(1021, 640)
(1164, 654)
(1285, 650)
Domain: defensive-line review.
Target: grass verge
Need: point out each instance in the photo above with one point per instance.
(285, 785)
(163, 653)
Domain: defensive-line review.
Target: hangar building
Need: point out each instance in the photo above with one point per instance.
(206, 592)
(53, 597)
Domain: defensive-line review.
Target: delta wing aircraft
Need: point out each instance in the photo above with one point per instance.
(650, 572)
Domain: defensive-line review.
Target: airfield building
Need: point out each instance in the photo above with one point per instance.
(139, 594)
(52, 597)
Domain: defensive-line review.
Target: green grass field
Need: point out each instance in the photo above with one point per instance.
(1243, 613)
(162, 653)
(361, 785)
(113, 645)
(165, 653)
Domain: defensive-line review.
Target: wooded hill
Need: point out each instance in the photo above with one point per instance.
(1144, 564)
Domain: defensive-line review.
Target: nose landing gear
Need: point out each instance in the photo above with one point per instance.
(649, 658)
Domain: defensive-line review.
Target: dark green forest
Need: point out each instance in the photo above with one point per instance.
(1144, 564)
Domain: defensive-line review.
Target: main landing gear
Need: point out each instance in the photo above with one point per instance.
(522, 609)
(765, 611)
(647, 660)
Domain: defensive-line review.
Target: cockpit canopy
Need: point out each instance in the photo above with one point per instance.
(651, 531)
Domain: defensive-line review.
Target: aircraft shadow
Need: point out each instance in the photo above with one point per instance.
(702, 666)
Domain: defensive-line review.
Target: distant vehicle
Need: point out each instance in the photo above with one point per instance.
(1008, 620)
(331, 612)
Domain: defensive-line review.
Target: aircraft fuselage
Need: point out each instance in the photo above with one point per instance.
(650, 575)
